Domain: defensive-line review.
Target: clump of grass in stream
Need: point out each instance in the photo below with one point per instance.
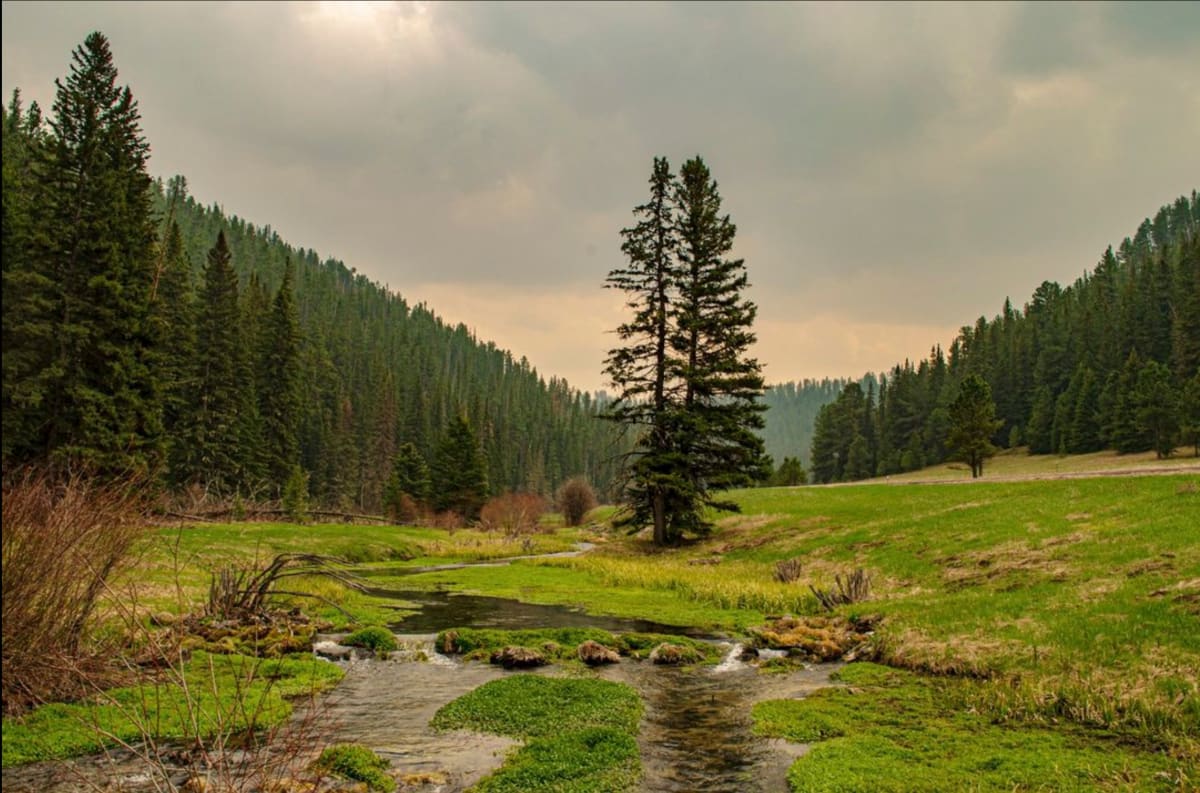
(358, 764)
(579, 732)
(223, 692)
(891, 730)
(562, 644)
(374, 638)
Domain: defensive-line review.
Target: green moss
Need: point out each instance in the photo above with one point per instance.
(580, 732)
(482, 642)
(524, 706)
(374, 638)
(889, 730)
(227, 693)
(357, 763)
(595, 760)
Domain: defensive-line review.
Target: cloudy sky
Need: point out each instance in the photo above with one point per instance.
(894, 170)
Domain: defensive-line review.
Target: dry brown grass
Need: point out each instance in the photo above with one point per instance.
(63, 541)
(815, 638)
(1009, 564)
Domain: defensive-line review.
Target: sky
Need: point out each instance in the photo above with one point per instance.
(894, 171)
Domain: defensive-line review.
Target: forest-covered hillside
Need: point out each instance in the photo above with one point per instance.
(147, 333)
(1110, 361)
(792, 413)
(379, 372)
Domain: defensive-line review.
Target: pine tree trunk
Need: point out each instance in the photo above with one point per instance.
(660, 518)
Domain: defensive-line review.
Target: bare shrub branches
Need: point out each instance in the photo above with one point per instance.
(513, 513)
(855, 588)
(63, 540)
(787, 570)
(237, 592)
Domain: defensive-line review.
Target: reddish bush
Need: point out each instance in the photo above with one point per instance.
(575, 500)
(448, 520)
(63, 541)
(512, 513)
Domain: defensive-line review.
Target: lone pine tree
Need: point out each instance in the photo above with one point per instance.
(973, 422)
(685, 381)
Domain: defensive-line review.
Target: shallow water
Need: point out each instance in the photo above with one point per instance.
(695, 735)
(387, 705)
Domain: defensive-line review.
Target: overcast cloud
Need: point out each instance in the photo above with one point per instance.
(894, 170)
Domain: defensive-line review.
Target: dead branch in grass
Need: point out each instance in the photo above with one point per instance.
(854, 588)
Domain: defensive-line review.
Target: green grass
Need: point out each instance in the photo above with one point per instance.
(374, 638)
(357, 763)
(891, 730)
(579, 732)
(224, 693)
(1077, 601)
(562, 582)
(175, 563)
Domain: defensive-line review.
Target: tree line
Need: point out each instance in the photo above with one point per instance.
(146, 334)
(1111, 361)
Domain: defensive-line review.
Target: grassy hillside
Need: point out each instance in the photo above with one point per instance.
(1019, 464)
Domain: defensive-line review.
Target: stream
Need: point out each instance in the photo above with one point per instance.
(695, 734)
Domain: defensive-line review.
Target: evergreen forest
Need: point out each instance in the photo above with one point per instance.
(1111, 361)
(146, 333)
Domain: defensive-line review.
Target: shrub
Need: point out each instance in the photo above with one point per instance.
(357, 763)
(374, 638)
(63, 541)
(512, 513)
(575, 500)
(448, 520)
(855, 588)
(787, 570)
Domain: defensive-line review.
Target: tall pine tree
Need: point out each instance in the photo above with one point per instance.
(211, 449)
(686, 382)
(643, 369)
(90, 396)
(722, 410)
(279, 392)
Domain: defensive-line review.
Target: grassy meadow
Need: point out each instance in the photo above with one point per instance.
(1037, 630)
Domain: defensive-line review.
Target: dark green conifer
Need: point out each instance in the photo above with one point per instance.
(279, 395)
(90, 395)
(175, 315)
(407, 490)
(459, 480)
(1158, 407)
(721, 410)
(973, 423)
(643, 369)
(210, 451)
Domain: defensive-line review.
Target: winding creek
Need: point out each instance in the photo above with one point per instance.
(695, 735)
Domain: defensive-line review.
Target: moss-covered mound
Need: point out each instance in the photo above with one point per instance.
(580, 733)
